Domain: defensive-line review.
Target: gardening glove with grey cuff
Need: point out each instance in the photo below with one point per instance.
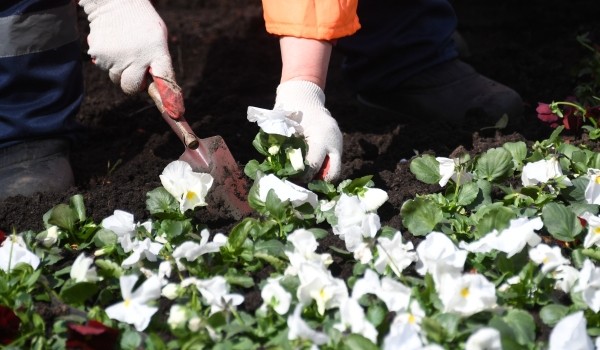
(129, 40)
(321, 131)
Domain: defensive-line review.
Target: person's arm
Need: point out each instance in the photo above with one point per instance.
(303, 77)
(304, 59)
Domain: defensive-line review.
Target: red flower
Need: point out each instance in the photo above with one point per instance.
(571, 120)
(545, 114)
(92, 336)
(2, 236)
(9, 325)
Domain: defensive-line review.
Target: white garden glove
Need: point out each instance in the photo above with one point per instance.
(129, 39)
(321, 131)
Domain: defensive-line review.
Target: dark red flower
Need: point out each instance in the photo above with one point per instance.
(92, 336)
(9, 325)
(545, 114)
(2, 236)
(571, 120)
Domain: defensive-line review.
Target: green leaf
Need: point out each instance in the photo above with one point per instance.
(64, 217)
(78, 206)
(449, 322)
(275, 206)
(494, 164)
(576, 193)
(376, 314)
(358, 342)
(551, 314)
(522, 324)
(467, 193)
(420, 216)
(160, 200)
(105, 237)
(355, 186)
(130, 340)
(251, 169)
(272, 247)
(434, 330)
(495, 217)
(518, 152)
(324, 187)
(426, 169)
(109, 268)
(561, 222)
(238, 235)
(77, 293)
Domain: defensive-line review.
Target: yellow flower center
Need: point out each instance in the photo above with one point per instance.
(411, 319)
(190, 195)
(545, 260)
(464, 292)
(597, 180)
(597, 230)
(127, 302)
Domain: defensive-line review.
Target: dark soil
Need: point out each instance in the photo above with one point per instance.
(225, 62)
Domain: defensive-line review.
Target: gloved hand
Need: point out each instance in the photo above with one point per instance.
(129, 39)
(321, 131)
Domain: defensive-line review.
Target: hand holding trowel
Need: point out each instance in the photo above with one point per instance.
(209, 155)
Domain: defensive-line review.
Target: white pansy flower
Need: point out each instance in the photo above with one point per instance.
(273, 149)
(134, 309)
(439, 256)
(195, 324)
(570, 333)
(354, 225)
(485, 338)
(394, 294)
(299, 329)
(178, 316)
(81, 271)
(285, 190)
(549, 257)
(521, 231)
(14, 251)
(589, 285)
(402, 336)
(448, 171)
(593, 230)
(305, 245)
(49, 237)
(188, 187)
(511, 240)
(295, 157)
(566, 276)
(170, 291)
(395, 254)
(276, 121)
(140, 249)
(467, 294)
(191, 250)
(121, 223)
(542, 171)
(412, 317)
(373, 198)
(353, 318)
(319, 285)
(592, 190)
(215, 292)
(276, 297)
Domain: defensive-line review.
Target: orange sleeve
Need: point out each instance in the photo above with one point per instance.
(313, 19)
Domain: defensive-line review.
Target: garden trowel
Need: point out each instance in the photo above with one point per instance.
(208, 155)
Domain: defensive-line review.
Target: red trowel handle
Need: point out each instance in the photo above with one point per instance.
(174, 119)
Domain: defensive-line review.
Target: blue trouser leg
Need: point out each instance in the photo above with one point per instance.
(41, 82)
(398, 38)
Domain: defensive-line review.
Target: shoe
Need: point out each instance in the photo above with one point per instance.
(452, 92)
(35, 166)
